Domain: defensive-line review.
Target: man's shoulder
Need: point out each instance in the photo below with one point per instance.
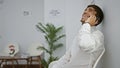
(98, 32)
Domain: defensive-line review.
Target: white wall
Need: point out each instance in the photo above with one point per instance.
(73, 15)
(54, 11)
(112, 33)
(1, 25)
(17, 26)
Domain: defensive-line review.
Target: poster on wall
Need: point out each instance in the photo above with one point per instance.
(54, 13)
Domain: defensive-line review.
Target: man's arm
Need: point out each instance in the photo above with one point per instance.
(66, 57)
(88, 41)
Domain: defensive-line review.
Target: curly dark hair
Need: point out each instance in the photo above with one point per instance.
(99, 13)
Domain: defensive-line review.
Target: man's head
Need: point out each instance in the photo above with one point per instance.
(93, 10)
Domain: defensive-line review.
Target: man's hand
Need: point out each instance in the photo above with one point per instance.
(91, 20)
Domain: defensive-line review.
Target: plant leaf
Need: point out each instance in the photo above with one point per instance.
(44, 63)
(58, 38)
(57, 46)
(58, 29)
(43, 48)
(42, 30)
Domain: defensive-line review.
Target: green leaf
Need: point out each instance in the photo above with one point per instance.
(43, 48)
(44, 63)
(57, 46)
(51, 59)
(58, 38)
(41, 29)
(43, 26)
(58, 29)
(47, 39)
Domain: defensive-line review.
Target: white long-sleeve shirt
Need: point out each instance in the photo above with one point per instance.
(90, 39)
(86, 47)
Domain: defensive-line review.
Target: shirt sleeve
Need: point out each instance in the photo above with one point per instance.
(64, 59)
(88, 42)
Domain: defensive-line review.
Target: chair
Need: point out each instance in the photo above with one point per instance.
(10, 50)
(35, 54)
(94, 65)
(98, 59)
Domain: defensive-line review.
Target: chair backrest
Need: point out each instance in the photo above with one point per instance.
(11, 49)
(33, 49)
(98, 59)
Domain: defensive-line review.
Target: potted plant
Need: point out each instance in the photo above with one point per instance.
(52, 35)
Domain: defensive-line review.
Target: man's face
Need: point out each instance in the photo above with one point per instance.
(87, 13)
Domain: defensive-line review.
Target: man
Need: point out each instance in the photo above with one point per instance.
(87, 45)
